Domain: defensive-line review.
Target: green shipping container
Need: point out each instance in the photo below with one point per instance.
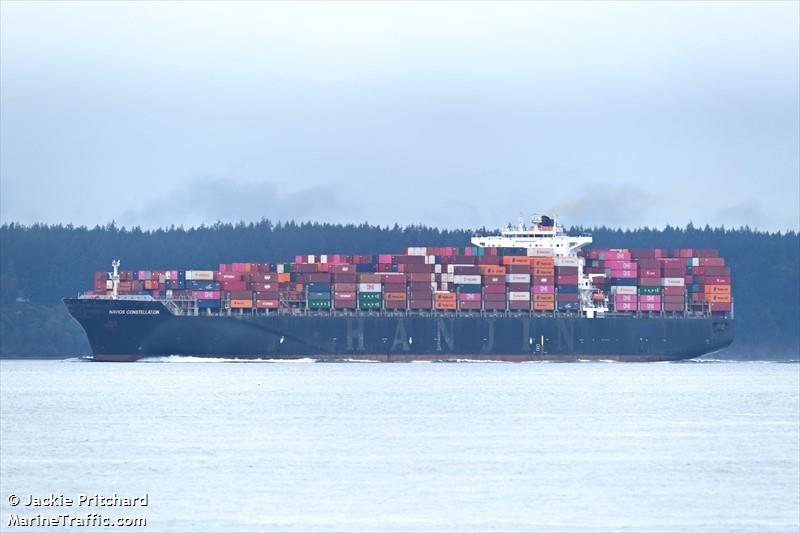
(369, 296)
(649, 290)
(369, 305)
(319, 304)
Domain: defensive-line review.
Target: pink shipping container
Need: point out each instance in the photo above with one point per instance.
(385, 258)
(543, 289)
(469, 297)
(626, 306)
(206, 295)
(267, 304)
(649, 306)
(620, 265)
(649, 298)
(620, 298)
(621, 273)
(650, 273)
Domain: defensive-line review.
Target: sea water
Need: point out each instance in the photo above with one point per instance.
(225, 446)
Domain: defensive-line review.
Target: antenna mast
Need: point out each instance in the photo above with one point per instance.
(114, 278)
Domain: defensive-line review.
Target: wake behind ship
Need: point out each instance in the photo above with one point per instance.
(530, 293)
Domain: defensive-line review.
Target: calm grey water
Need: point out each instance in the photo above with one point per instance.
(388, 447)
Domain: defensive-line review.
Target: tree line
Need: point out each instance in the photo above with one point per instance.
(40, 264)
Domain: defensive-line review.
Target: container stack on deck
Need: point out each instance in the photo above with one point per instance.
(446, 279)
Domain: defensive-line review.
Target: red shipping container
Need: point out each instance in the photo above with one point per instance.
(493, 279)
(233, 285)
(267, 304)
(227, 276)
(418, 276)
(518, 287)
(522, 305)
(470, 305)
(344, 287)
(344, 304)
(394, 304)
(241, 295)
(265, 287)
(494, 297)
(267, 295)
(568, 297)
(420, 304)
(720, 306)
(566, 280)
(672, 291)
(673, 306)
(394, 287)
(344, 295)
(393, 278)
(494, 288)
(543, 280)
(650, 282)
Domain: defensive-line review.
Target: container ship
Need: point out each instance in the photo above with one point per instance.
(532, 292)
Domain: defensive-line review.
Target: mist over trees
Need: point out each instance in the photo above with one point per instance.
(41, 264)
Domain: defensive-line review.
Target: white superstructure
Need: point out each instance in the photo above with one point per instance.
(542, 237)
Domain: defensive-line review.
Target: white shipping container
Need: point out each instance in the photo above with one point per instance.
(619, 289)
(443, 286)
(310, 259)
(518, 278)
(463, 279)
(323, 259)
(519, 296)
(449, 278)
(451, 268)
(417, 250)
(200, 275)
(437, 269)
(540, 252)
(369, 287)
(430, 260)
(673, 282)
(280, 268)
(109, 285)
(568, 261)
(695, 261)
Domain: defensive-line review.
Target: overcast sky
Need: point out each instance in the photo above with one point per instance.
(448, 114)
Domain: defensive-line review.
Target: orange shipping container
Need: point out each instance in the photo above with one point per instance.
(718, 297)
(445, 296)
(241, 304)
(542, 262)
(544, 297)
(543, 271)
(445, 305)
(717, 289)
(516, 260)
(493, 270)
(284, 278)
(394, 296)
(543, 306)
